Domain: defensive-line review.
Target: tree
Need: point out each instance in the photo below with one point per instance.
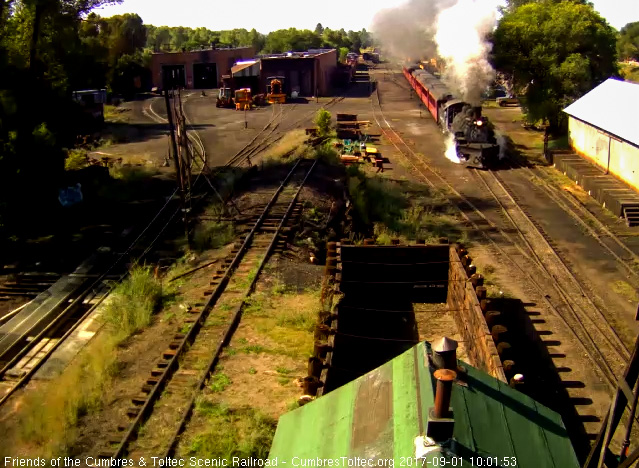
(512, 5)
(323, 122)
(319, 29)
(42, 58)
(343, 53)
(628, 43)
(555, 52)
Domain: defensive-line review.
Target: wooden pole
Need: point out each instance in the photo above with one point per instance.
(176, 158)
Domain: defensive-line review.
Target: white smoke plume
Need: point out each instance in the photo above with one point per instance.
(453, 29)
(461, 41)
(408, 31)
(451, 149)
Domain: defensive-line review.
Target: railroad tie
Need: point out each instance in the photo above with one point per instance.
(140, 400)
(169, 353)
(158, 372)
(133, 411)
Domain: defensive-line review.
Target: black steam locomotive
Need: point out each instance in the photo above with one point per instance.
(474, 135)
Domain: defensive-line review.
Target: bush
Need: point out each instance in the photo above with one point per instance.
(132, 303)
(323, 122)
(76, 160)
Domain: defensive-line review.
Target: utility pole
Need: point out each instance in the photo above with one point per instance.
(185, 164)
(176, 161)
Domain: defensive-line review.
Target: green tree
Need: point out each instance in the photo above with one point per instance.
(319, 29)
(555, 52)
(628, 43)
(42, 58)
(343, 52)
(323, 122)
(512, 5)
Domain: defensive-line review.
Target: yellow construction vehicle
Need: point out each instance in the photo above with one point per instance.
(243, 99)
(275, 90)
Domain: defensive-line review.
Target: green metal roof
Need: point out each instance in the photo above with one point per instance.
(379, 416)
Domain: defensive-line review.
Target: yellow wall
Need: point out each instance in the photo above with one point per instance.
(620, 158)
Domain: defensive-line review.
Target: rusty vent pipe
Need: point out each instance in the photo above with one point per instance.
(445, 379)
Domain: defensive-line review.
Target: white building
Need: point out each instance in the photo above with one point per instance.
(603, 127)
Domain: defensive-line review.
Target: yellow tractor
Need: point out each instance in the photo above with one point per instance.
(275, 90)
(243, 99)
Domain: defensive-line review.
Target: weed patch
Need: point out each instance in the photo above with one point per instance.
(132, 303)
(219, 382)
(625, 290)
(47, 423)
(76, 159)
(399, 209)
(291, 145)
(212, 235)
(231, 432)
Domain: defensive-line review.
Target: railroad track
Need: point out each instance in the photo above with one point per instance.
(27, 285)
(533, 254)
(581, 313)
(628, 259)
(266, 137)
(184, 368)
(39, 342)
(80, 299)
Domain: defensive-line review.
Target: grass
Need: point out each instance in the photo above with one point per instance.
(626, 291)
(219, 382)
(132, 303)
(212, 235)
(292, 144)
(47, 424)
(76, 159)
(253, 349)
(399, 209)
(231, 432)
(559, 143)
(114, 114)
(293, 310)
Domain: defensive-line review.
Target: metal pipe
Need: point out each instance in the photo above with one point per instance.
(445, 379)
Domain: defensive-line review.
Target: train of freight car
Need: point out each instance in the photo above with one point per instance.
(474, 136)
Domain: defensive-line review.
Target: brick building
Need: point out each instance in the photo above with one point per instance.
(201, 69)
(308, 73)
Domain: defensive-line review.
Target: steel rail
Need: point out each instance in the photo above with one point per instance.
(588, 341)
(190, 336)
(578, 212)
(210, 368)
(611, 379)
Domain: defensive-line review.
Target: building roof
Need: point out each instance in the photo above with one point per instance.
(206, 49)
(311, 53)
(246, 68)
(611, 106)
(381, 414)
